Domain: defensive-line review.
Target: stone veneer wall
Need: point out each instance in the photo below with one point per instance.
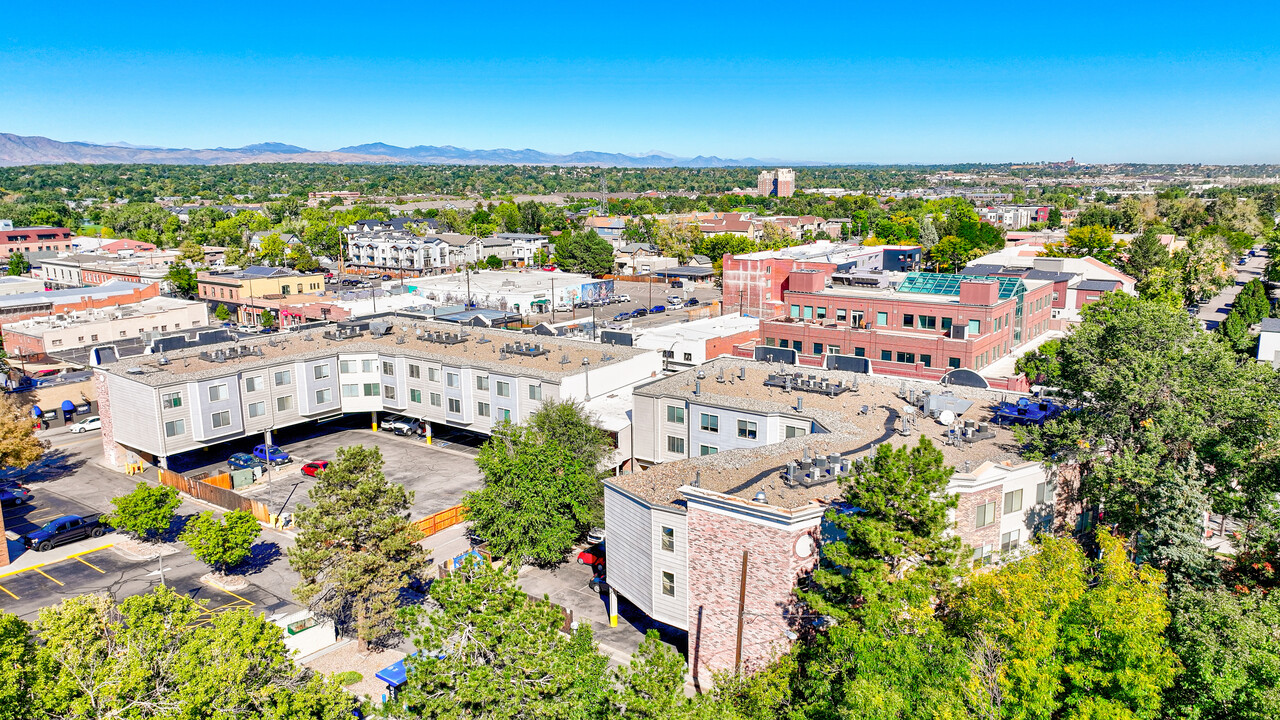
(112, 454)
(966, 517)
(716, 543)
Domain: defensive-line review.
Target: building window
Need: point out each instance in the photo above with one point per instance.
(808, 312)
(504, 389)
(368, 365)
(710, 423)
(927, 322)
(284, 403)
(817, 348)
(455, 406)
(953, 363)
(841, 314)
(435, 399)
(217, 393)
(746, 429)
(688, 357)
(57, 343)
(708, 450)
(795, 311)
(981, 556)
(927, 360)
(785, 343)
(907, 358)
(1009, 540)
(675, 444)
(171, 400)
(908, 320)
(258, 409)
(833, 349)
(1043, 494)
(535, 392)
(451, 379)
(946, 324)
(321, 372)
(415, 371)
(482, 382)
(173, 428)
(283, 377)
(820, 312)
(985, 514)
(346, 366)
(482, 409)
(324, 395)
(675, 414)
(221, 419)
(371, 389)
(886, 355)
(794, 432)
(506, 415)
(352, 390)
(668, 539)
(415, 396)
(388, 368)
(975, 327)
(1012, 501)
(433, 374)
(389, 392)
(669, 584)
(859, 352)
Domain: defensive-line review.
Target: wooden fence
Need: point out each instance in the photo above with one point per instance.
(432, 524)
(216, 490)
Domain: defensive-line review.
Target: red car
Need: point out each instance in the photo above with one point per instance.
(592, 556)
(312, 468)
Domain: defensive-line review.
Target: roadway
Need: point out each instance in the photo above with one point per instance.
(1215, 310)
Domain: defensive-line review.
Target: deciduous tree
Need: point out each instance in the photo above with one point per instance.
(19, 446)
(145, 512)
(221, 544)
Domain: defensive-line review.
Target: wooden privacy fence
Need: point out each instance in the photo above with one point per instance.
(432, 524)
(216, 490)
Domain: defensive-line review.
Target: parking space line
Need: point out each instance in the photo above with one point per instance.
(37, 569)
(86, 562)
(6, 592)
(54, 562)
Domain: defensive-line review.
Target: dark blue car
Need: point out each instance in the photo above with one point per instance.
(271, 453)
(658, 309)
(65, 529)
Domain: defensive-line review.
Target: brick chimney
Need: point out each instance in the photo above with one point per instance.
(979, 291)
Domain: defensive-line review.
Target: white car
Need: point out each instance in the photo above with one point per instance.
(624, 298)
(87, 424)
(675, 301)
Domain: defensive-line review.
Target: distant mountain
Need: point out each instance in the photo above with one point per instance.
(36, 150)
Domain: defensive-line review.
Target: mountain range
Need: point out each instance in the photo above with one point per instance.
(36, 150)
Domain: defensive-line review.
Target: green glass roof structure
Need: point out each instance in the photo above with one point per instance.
(949, 284)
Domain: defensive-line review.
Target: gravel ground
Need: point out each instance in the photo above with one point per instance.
(349, 657)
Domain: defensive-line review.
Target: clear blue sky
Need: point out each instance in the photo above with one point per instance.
(838, 82)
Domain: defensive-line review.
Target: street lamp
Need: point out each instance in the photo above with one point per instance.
(586, 376)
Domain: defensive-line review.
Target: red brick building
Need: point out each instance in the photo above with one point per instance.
(34, 239)
(912, 325)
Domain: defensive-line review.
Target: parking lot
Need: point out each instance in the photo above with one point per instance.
(44, 505)
(644, 295)
(438, 475)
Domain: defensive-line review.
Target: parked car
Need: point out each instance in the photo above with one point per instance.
(328, 276)
(244, 461)
(271, 454)
(45, 373)
(386, 276)
(592, 556)
(622, 316)
(87, 424)
(582, 304)
(1242, 261)
(562, 307)
(598, 583)
(312, 468)
(66, 529)
(14, 495)
(622, 298)
(674, 301)
(639, 313)
(691, 302)
(266, 330)
(596, 536)
(398, 425)
(658, 309)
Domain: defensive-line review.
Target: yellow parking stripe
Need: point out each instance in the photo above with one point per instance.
(86, 562)
(6, 592)
(47, 575)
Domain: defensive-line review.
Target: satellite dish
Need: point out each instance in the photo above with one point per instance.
(946, 417)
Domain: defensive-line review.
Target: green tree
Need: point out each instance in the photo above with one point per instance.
(1055, 218)
(541, 488)
(272, 250)
(1145, 254)
(18, 264)
(154, 657)
(1205, 267)
(1087, 240)
(584, 252)
(928, 234)
(324, 239)
(184, 281)
(191, 252)
(493, 262)
(221, 544)
(652, 685)
(497, 653)
(19, 446)
(1231, 655)
(267, 319)
(356, 549)
(300, 259)
(1041, 365)
(222, 313)
(17, 668)
(145, 512)
(892, 552)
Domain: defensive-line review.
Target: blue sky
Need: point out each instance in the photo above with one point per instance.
(853, 81)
